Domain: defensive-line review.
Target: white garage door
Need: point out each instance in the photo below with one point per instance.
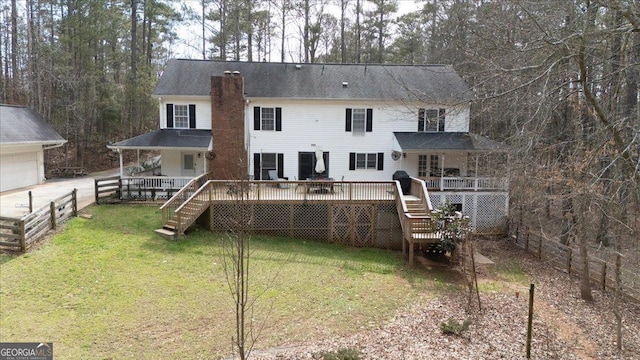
(18, 170)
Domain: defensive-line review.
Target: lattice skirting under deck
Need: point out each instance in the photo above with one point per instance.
(363, 225)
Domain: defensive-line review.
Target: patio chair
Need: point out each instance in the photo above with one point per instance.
(273, 175)
(339, 184)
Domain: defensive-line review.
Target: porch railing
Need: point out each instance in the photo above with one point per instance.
(466, 184)
(151, 187)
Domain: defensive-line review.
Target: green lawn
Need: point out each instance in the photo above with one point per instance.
(109, 288)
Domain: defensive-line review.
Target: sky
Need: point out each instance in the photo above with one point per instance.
(189, 44)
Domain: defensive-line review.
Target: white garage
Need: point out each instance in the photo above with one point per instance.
(23, 138)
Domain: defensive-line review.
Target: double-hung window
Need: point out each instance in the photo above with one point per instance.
(359, 121)
(364, 161)
(431, 120)
(181, 116)
(267, 118)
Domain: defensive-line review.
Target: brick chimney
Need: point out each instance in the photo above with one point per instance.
(227, 127)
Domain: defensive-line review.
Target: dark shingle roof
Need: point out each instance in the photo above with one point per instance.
(167, 138)
(434, 83)
(21, 125)
(445, 141)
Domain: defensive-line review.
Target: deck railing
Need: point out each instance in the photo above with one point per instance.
(304, 190)
(466, 184)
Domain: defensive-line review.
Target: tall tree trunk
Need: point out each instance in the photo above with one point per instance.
(134, 119)
(204, 39)
(305, 35)
(585, 279)
(249, 24)
(358, 31)
(14, 51)
(284, 32)
(381, 33)
(343, 50)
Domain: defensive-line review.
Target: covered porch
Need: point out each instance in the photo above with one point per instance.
(180, 153)
(453, 161)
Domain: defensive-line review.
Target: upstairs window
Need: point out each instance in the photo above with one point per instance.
(363, 161)
(359, 121)
(181, 116)
(267, 118)
(431, 120)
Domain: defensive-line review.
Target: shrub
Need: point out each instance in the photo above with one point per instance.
(452, 326)
(453, 226)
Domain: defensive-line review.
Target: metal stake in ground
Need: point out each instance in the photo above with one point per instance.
(529, 325)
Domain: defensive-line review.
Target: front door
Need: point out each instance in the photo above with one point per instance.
(189, 164)
(307, 165)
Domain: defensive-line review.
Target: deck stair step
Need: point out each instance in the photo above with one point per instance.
(167, 234)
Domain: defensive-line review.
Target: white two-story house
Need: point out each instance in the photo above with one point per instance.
(367, 120)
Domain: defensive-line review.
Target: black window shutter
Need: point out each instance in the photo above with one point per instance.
(347, 124)
(192, 116)
(169, 115)
(421, 120)
(278, 119)
(256, 118)
(280, 165)
(352, 161)
(380, 161)
(369, 120)
(257, 174)
(441, 115)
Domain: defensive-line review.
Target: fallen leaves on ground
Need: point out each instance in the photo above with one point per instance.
(564, 326)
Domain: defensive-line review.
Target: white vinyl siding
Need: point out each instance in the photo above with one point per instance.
(202, 113)
(321, 124)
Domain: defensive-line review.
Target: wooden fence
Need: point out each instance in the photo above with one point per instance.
(602, 273)
(21, 232)
(107, 189)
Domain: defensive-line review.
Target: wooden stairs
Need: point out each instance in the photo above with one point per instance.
(415, 206)
(418, 227)
(184, 217)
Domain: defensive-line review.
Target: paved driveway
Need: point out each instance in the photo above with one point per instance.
(15, 203)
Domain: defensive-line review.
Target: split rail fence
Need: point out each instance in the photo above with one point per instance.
(19, 233)
(601, 272)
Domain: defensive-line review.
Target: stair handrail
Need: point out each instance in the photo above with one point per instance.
(407, 220)
(401, 206)
(175, 201)
(181, 226)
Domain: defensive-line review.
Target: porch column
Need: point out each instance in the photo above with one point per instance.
(475, 181)
(121, 163)
(442, 172)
